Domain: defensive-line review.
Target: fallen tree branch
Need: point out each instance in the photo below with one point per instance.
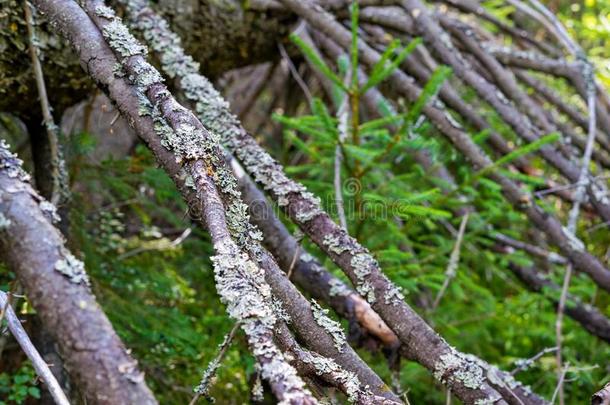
(57, 286)
(234, 272)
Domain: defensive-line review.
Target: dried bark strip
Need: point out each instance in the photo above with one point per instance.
(56, 285)
(601, 397)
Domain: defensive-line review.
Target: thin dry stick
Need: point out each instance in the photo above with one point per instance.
(557, 29)
(295, 74)
(5, 307)
(171, 245)
(343, 116)
(297, 254)
(558, 388)
(203, 389)
(42, 369)
(454, 259)
(52, 129)
(525, 364)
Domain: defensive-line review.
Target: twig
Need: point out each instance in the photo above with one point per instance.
(185, 234)
(557, 29)
(343, 113)
(203, 389)
(5, 307)
(525, 364)
(59, 191)
(529, 248)
(453, 261)
(295, 74)
(297, 253)
(42, 369)
(559, 387)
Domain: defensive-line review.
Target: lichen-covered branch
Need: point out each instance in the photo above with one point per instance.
(316, 366)
(308, 272)
(239, 279)
(57, 286)
(304, 209)
(200, 91)
(231, 264)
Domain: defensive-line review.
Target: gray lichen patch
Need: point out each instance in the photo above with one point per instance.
(600, 193)
(49, 210)
(334, 328)
(335, 244)
(574, 242)
(120, 39)
(72, 268)
(241, 286)
(4, 222)
(11, 164)
(349, 380)
(393, 296)
(105, 12)
(338, 288)
(497, 377)
(362, 263)
(455, 368)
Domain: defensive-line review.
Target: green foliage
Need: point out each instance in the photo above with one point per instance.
(316, 60)
(16, 388)
(382, 69)
(520, 152)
